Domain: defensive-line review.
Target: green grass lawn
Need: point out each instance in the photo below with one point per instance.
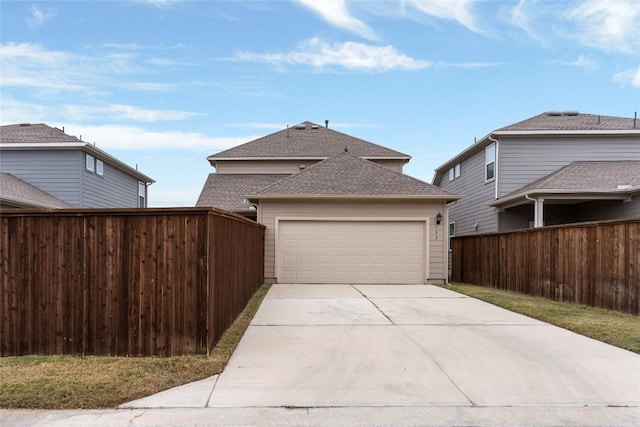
(613, 327)
(65, 382)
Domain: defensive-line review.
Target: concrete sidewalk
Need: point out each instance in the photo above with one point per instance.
(391, 355)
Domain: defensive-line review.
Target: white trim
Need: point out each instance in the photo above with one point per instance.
(447, 197)
(425, 220)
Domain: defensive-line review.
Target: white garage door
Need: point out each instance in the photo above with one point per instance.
(351, 251)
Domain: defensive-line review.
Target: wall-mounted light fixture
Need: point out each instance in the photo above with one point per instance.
(438, 218)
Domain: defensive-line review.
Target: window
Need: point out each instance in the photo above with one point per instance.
(454, 172)
(490, 162)
(452, 233)
(99, 167)
(90, 163)
(142, 194)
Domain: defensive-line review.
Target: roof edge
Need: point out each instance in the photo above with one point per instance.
(448, 197)
(567, 192)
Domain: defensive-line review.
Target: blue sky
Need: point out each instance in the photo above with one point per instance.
(162, 84)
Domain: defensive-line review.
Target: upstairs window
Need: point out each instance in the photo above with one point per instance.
(90, 163)
(99, 167)
(454, 172)
(490, 162)
(142, 194)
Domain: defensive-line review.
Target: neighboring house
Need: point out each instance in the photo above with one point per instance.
(337, 209)
(554, 168)
(65, 168)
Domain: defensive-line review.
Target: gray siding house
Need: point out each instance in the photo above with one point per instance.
(554, 168)
(65, 168)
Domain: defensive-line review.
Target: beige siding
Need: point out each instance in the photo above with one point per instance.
(282, 166)
(384, 210)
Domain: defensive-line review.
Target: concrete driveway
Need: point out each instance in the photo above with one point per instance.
(401, 355)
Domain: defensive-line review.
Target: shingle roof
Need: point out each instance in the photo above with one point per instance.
(346, 174)
(582, 178)
(229, 191)
(568, 120)
(37, 132)
(587, 176)
(307, 140)
(14, 190)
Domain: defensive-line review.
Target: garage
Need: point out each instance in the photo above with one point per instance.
(351, 251)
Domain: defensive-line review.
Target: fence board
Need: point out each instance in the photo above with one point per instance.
(126, 282)
(596, 264)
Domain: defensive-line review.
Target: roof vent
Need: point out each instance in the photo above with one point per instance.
(300, 126)
(554, 113)
(624, 187)
(314, 126)
(570, 113)
(25, 124)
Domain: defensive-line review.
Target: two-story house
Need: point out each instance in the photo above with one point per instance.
(337, 209)
(554, 168)
(41, 166)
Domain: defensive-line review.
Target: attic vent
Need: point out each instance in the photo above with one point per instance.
(300, 126)
(570, 113)
(554, 113)
(314, 126)
(25, 124)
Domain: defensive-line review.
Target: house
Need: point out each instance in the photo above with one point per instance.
(554, 168)
(44, 167)
(337, 209)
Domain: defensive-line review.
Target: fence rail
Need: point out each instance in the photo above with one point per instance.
(596, 264)
(135, 282)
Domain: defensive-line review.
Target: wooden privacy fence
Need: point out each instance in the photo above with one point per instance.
(124, 282)
(596, 264)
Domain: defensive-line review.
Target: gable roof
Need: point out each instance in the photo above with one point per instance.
(39, 136)
(229, 191)
(306, 140)
(17, 192)
(548, 124)
(590, 180)
(346, 175)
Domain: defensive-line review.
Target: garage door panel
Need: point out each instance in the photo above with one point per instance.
(351, 251)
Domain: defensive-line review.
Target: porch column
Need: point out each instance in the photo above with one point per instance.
(538, 213)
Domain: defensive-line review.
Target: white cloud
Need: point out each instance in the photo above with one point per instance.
(159, 3)
(318, 53)
(125, 112)
(608, 25)
(39, 16)
(629, 77)
(458, 10)
(116, 137)
(31, 65)
(335, 12)
(581, 61)
(13, 111)
(522, 16)
(469, 65)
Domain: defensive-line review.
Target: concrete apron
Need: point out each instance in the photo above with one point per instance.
(372, 345)
(393, 355)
